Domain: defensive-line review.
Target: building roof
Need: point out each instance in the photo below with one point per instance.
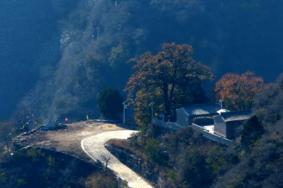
(236, 116)
(202, 109)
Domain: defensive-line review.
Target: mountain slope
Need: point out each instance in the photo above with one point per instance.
(99, 37)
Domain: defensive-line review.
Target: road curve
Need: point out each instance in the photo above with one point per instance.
(94, 147)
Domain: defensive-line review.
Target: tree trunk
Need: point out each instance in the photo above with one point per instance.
(166, 101)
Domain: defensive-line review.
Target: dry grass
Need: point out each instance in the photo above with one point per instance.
(68, 140)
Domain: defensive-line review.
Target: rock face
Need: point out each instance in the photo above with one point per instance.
(145, 169)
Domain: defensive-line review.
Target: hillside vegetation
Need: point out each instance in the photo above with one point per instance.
(186, 159)
(99, 38)
(164, 81)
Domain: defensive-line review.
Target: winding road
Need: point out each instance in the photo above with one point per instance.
(94, 147)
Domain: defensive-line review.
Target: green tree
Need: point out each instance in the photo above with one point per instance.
(169, 79)
(110, 104)
(252, 131)
(152, 150)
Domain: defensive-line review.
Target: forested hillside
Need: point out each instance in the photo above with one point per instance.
(29, 46)
(99, 38)
(187, 157)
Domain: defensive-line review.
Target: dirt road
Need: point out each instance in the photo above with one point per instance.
(93, 146)
(82, 138)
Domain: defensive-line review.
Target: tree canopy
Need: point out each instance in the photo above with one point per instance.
(167, 80)
(238, 91)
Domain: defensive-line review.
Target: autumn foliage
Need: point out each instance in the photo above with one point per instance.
(166, 80)
(238, 91)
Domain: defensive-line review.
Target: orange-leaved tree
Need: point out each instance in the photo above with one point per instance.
(167, 80)
(238, 91)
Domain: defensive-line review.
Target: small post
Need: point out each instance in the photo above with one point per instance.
(221, 103)
(125, 106)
